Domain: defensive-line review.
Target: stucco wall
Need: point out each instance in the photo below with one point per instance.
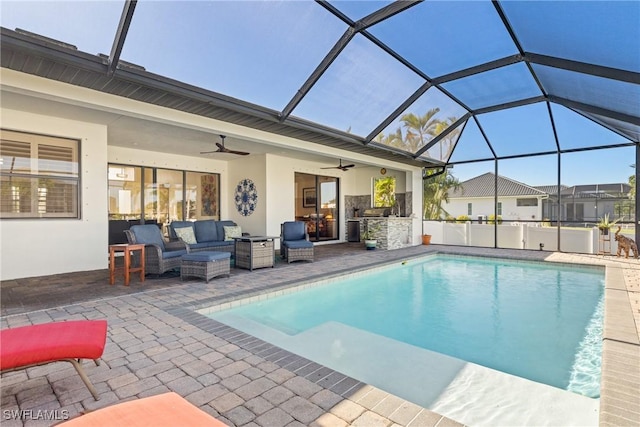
(35, 247)
(485, 206)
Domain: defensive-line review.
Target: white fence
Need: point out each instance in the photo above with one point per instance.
(519, 236)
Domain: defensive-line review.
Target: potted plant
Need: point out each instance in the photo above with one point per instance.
(604, 224)
(369, 235)
(426, 239)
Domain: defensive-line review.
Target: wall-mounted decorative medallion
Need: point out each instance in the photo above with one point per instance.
(246, 197)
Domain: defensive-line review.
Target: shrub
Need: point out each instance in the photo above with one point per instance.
(449, 218)
(463, 218)
(492, 219)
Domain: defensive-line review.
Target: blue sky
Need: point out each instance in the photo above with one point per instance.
(265, 57)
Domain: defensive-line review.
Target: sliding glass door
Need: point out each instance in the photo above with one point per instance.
(317, 205)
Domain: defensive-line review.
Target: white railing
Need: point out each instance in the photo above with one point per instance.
(518, 236)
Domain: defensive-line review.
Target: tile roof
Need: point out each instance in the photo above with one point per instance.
(483, 185)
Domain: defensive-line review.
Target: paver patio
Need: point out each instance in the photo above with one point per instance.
(157, 343)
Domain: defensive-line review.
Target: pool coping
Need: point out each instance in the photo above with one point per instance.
(619, 402)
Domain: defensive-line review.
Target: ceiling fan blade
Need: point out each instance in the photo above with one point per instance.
(209, 152)
(348, 166)
(240, 153)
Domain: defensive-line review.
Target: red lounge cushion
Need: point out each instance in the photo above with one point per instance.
(48, 342)
(163, 410)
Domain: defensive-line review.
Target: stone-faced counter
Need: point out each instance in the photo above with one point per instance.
(393, 233)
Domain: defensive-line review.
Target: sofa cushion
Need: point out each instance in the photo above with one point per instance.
(206, 256)
(207, 231)
(298, 244)
(173, 254)
(186, 234)
(148, 234)
(293, 230)
(178, 224)
(217, 244)
(221, 225)
(232, 231)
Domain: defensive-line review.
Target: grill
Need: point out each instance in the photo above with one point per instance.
(376, 212)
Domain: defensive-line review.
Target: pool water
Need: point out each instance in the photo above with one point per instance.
(533, 320)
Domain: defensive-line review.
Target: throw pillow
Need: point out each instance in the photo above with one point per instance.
(232, 231)
(187, 235)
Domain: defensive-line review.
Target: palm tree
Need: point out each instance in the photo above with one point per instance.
(447, 143)
(392, 140)
(420, 129)
(435, 192)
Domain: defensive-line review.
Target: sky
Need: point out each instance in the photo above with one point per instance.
(266, 56)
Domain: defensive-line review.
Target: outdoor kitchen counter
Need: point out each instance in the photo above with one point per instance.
(393, 233)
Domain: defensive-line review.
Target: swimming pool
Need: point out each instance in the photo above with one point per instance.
(536, 321)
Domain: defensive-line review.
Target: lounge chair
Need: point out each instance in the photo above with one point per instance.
(294, 242)
(160, 256)
(71, 341)
(162, 410)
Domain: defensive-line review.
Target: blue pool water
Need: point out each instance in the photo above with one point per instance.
(533, 320)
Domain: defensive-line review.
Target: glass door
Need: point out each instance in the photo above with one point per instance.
(317, 205)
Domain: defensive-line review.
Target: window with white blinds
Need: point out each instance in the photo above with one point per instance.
(38, 176)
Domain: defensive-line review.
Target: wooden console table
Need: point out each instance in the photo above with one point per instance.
(255, 251)
(127, 249)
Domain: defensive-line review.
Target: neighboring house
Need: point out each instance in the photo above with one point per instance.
(520, 202)
(516, 201)
(592, 201)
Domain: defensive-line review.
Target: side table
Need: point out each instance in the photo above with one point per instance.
(127, 249)
(255, 251)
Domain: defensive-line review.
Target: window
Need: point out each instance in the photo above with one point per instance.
(526, 202)
(469, 209)
(39, 176)
(162, 195)
(384, 192)
(499, 209)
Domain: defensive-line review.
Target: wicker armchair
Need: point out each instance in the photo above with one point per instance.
(160, 256)
(294, 242)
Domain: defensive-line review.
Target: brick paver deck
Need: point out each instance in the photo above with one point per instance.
(157, 343)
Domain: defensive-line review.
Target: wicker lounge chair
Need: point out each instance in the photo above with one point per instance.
(160, 256)
(294, 242)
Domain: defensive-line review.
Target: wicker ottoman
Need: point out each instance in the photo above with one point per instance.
(298, 250)
(205, 265)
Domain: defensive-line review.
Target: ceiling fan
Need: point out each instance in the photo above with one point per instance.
(341, 166)
(223, 149)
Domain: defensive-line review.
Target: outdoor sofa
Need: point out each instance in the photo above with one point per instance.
(206, 235)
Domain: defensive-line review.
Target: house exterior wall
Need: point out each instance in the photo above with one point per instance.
(35, 247)
(69, 245)
(485, 206)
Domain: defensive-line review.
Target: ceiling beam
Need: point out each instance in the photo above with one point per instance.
(487, 66)
(318, 72)
(385, 12)
(616, 115)
(121, 35)
(442, 135)
(406, 104)
(583, 67)
(512, 104)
